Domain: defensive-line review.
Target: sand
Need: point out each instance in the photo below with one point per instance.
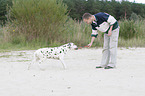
(79, 79)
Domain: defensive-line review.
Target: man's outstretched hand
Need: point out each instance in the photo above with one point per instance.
(89, 45)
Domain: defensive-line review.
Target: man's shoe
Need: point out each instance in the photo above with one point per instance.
(99, 67)
(108, 67)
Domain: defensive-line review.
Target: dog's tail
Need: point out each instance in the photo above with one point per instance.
(35, 57)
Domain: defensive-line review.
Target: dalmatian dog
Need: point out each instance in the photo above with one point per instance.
(52, 53)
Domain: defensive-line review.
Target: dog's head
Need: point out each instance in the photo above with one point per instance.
(71, 46)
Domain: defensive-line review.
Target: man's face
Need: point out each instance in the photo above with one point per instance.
(88, 21)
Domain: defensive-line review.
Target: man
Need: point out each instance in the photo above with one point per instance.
(109, 25)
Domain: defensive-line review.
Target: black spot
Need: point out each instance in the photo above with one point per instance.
(41, 51)
(47, 51)
(51, 49)
(60, 51)
(55, 54)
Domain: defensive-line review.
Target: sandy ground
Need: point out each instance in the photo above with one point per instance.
(80, 79)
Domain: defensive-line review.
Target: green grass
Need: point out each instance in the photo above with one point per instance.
(5, 56)
(21, 61)
(134, 42)
(76, 32)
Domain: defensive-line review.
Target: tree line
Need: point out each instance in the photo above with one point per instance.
(76, 8)
(120, 10)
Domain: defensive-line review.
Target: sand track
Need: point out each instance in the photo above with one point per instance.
(79, 79)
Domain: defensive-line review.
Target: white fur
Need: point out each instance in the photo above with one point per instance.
(52, 53)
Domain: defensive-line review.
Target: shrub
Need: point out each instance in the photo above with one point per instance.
(132, 29)
(127, 29)
(37, 20)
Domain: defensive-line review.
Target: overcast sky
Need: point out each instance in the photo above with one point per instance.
(136, 1)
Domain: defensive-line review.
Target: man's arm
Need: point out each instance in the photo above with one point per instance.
(92, 40)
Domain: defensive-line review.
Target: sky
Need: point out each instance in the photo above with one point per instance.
(136, 1)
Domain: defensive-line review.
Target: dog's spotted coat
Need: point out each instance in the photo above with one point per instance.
(53, 53)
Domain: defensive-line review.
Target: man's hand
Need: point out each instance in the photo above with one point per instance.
(89, 45)
(92, 40)
(109, 33)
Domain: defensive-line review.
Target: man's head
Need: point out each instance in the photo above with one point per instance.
(88, 18)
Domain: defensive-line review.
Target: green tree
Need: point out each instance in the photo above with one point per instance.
(139, 9)
(3, 10)
(125, 10)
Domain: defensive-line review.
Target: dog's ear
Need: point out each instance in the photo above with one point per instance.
(69, 44)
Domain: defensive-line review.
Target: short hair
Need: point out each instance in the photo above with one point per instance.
(86, 15)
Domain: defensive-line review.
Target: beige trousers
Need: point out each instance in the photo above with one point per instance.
(110, 49)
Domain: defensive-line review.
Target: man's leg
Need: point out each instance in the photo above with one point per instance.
(106, 52)
(113, 47)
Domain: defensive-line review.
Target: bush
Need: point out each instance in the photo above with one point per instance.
(37, 20)
(135, 17)
(127, 29)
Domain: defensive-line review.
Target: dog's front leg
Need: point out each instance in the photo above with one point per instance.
(63, 63)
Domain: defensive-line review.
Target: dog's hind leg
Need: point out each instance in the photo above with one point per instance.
(35, 58)
(40, 63)
(29, 66)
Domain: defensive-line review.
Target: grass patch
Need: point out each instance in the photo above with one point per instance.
(5, 56)
(22, 61)
(134, 42)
